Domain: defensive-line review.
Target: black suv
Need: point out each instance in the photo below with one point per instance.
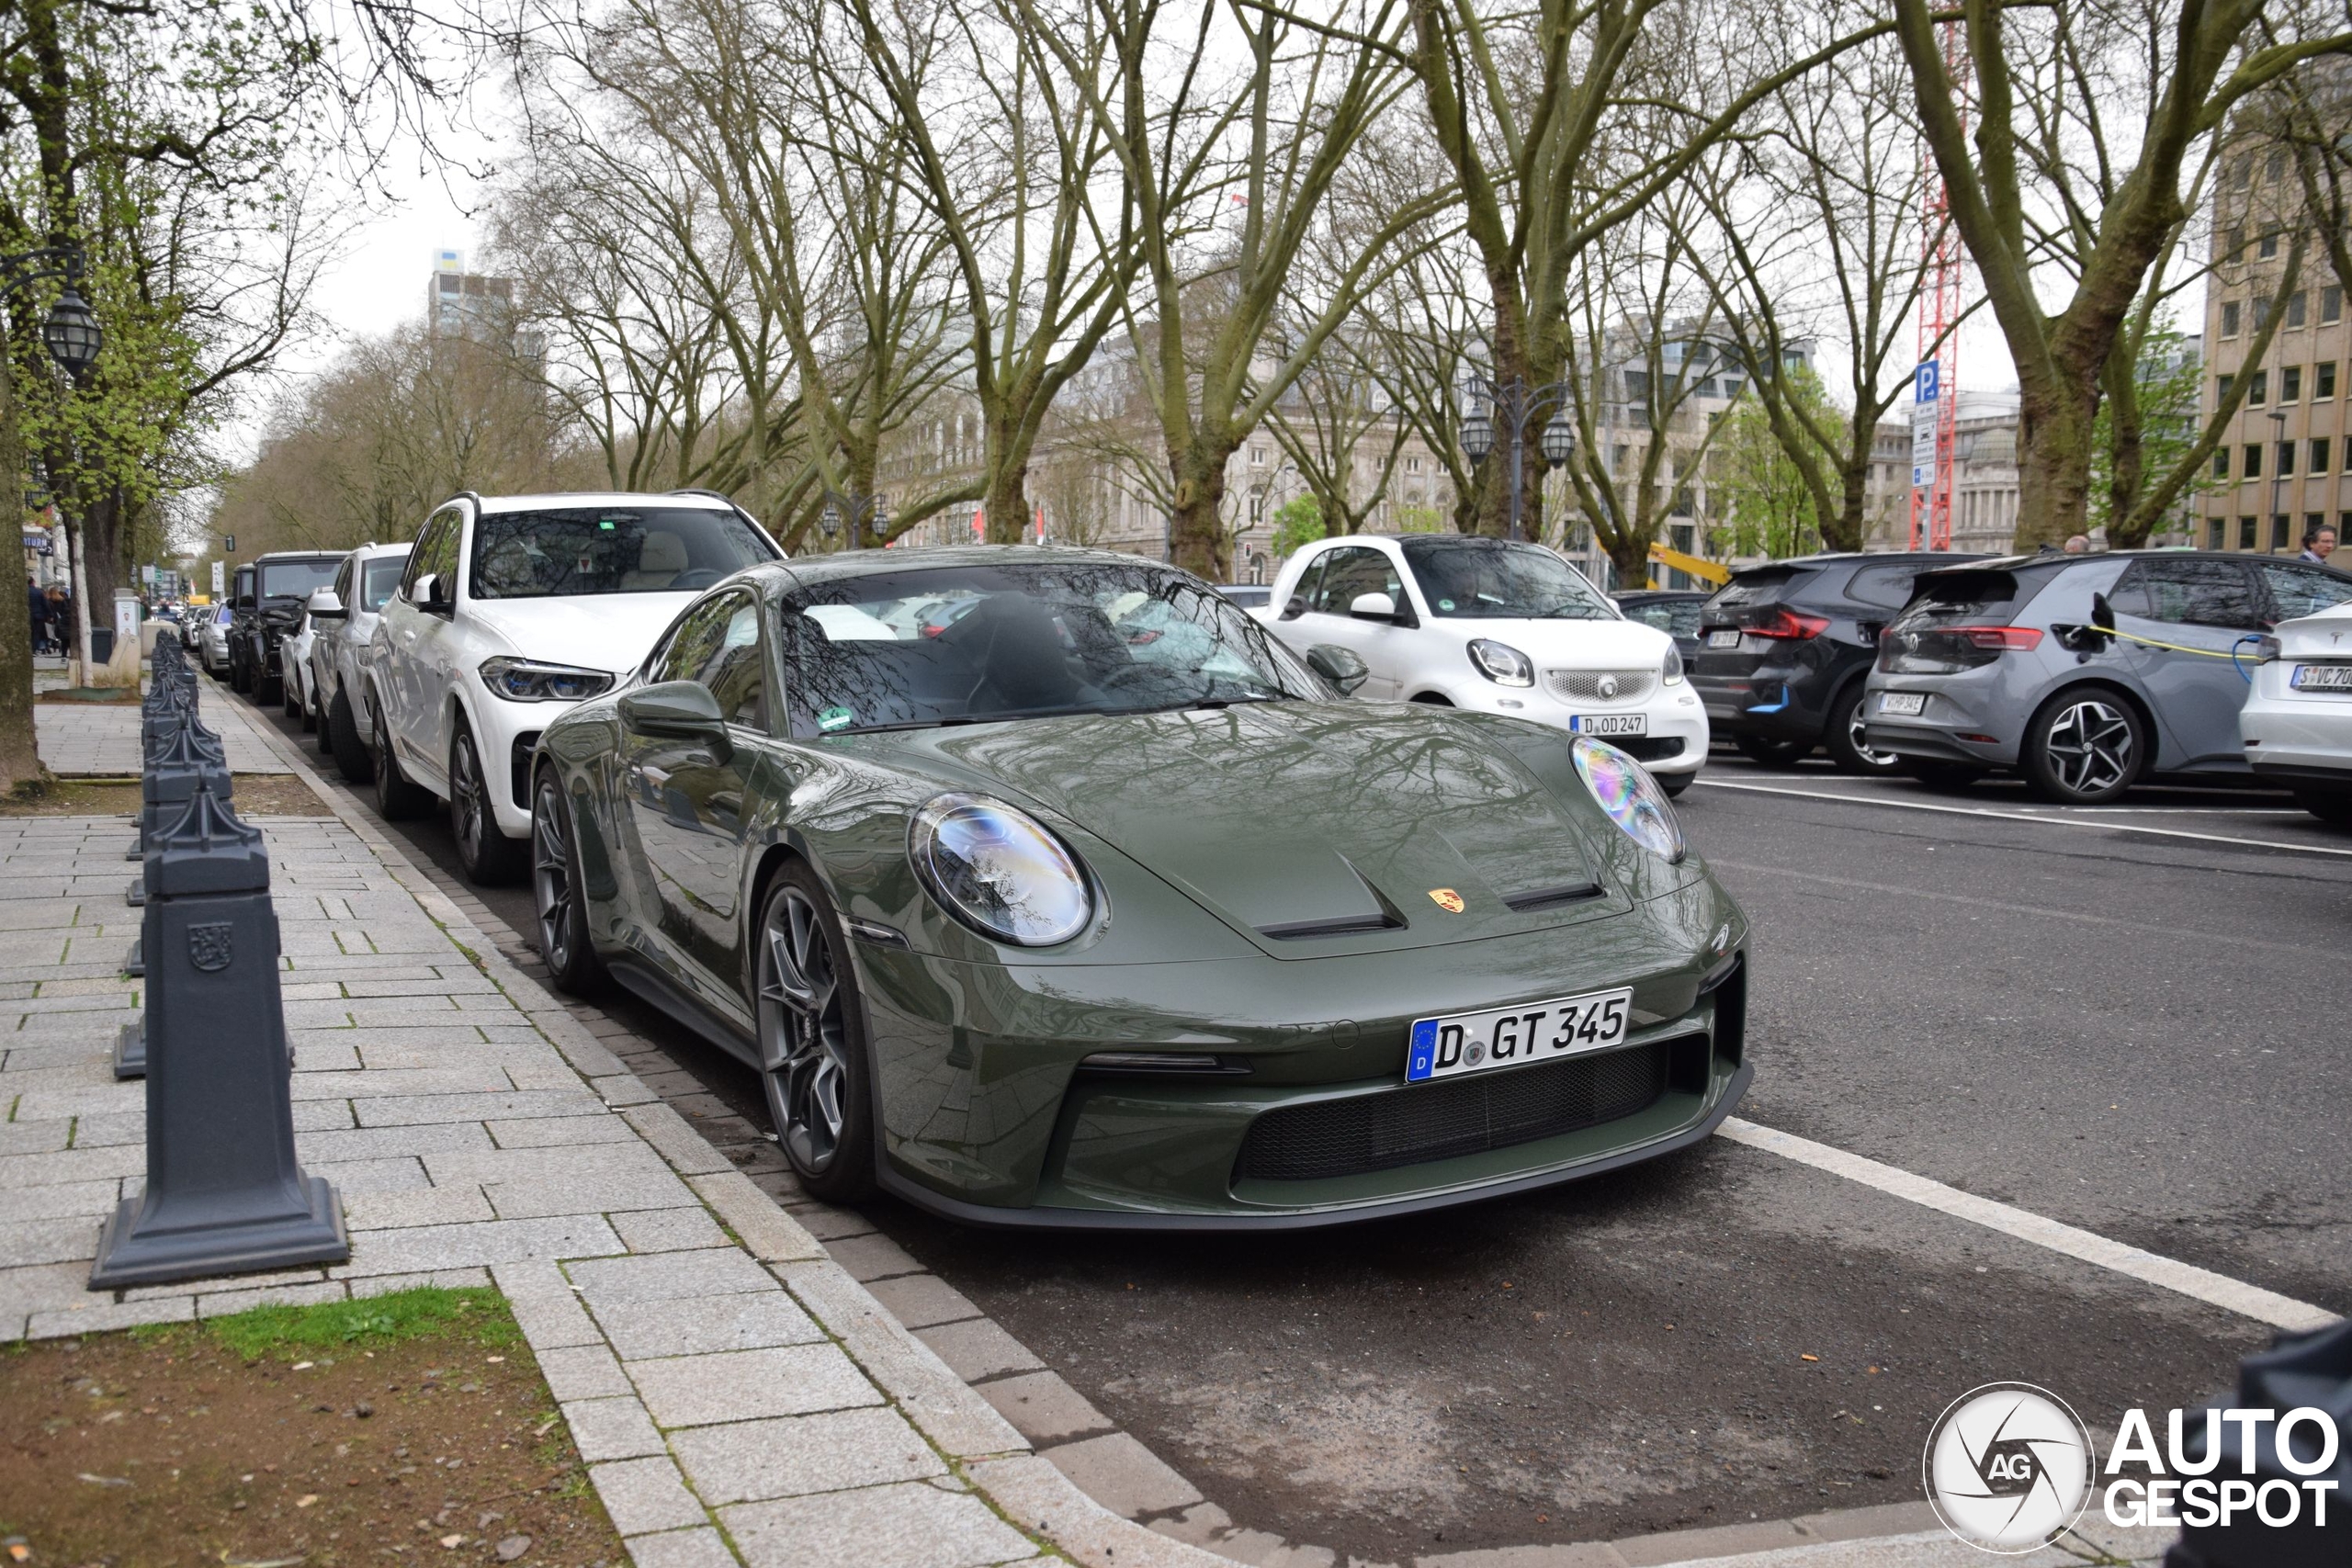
(1784, 648)
(272, 593)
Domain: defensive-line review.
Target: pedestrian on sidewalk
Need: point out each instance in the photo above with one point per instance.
(37, 605)
(2318, 544)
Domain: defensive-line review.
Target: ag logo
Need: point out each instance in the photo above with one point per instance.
(1608, 688)
(1446, 898)
(2008, 1467)
(209, 947)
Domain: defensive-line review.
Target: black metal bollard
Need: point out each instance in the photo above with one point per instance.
(188, 759)
(178, 740)
(224, 1192)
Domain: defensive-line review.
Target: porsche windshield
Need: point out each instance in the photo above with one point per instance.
(1490, 580)
(610, 549)
(964, 644)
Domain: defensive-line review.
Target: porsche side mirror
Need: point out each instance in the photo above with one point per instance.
(326, 606)
(1340, 666)
(683, 709)
(1373, 607)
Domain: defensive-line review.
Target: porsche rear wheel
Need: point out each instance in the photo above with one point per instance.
(812, 1040)
(555, 892)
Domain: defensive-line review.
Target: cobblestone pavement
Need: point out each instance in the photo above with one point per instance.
(101, 739)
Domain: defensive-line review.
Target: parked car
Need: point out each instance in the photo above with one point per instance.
(294, 663)
(962, 901)
(509, 610)
(1788, 646)
(345, 615)
(271, 593)
(1248, 595)
(2296, 722)
(2084, 673)
(1674, 611)
(1454, 621)
(212, 639)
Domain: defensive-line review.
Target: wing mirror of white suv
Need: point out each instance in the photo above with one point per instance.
(431, 594)
(326, 606)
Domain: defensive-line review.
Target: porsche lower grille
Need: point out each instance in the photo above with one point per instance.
(1440, 1121)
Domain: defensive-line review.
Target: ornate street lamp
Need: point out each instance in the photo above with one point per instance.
(1519, 404)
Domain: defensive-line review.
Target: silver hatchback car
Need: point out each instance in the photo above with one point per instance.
(2084, 673)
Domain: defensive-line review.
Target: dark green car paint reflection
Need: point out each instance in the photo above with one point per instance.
(1261, 877)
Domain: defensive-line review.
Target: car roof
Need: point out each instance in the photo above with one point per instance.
(2053, 558)
(1630, 594)
(489, 505)
(841, 565)
(378, 552)
(297, 554)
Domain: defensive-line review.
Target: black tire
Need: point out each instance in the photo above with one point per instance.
(1936, 774)
(340, 738)
(1771, 754)
(397, 799)
(816, 1066)
(289, 698)
(2330, 805)
(2084, 746)
(1675, 784)
(240, 675)
(317, 725)
(491, 859)
(1843, 738)
(562, 913)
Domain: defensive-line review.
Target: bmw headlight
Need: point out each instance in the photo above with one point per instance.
(528, 681)
(1634, 800)
(1673, 675)
(999, 871)
(1502, 663)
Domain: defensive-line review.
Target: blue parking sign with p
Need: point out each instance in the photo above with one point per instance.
(1926, 382)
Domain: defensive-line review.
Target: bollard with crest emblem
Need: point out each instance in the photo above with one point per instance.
(224, 1193)
(184, 758)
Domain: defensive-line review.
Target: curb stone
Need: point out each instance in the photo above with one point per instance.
(1027, 1485)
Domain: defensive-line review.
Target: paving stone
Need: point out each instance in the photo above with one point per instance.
(582, 1372)
(668, 1230)
(979, 1348)
(65, 1200)
(496, 1241)
(747, 1462)
(670, 1277)
(920, 1301)
(221, 1303)
(1123, 1476)
(910, 1525)
(678, 1143)
(766, 1232)
(99, 1314)
(871, 1257)
(703, 1547)
(644, 1495)
(1721, 1540)
(440, 1278)
(742, 1385)
(1043, 1408)
(426, 1206)
(611, 1429)
(563, 1132)
(404, 1111)
(644, 1330)
(49, 1241)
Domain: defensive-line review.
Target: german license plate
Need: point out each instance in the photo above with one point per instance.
(1903, 702)
(2322, 678)
(1723, 639)
(1610, 723)
(1511, 1037)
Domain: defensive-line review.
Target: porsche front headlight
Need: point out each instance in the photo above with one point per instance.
(999, 871)
(1633, 799)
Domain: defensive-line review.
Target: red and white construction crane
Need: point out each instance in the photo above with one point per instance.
(1944, 266)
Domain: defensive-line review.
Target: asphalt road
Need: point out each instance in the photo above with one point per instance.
(2107, 1017)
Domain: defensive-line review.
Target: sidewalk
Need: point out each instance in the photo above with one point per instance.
(728, 1382)
(101, 739)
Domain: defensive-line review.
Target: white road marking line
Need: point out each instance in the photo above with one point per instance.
(2089, 1247)
(2026, 817)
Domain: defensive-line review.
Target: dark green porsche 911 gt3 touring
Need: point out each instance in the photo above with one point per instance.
(1044, 888)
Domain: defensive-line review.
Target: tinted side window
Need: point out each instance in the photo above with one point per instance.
(1311, 580)
(1351, 572)
(2300, 590)
(736, 672)
(439, 536)
(693, 642)
(1886, 586)
(343, 582)
(2187, 593)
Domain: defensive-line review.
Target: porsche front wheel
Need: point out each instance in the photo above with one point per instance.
(812, 1040)
(555, 892)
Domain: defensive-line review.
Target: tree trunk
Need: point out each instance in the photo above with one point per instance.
(2053, 464)
(1196, 539)
(19, 755)
(1006, 512)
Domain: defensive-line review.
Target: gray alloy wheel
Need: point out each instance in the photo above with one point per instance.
(1844, 742)
(488, 856)
(2084, 748)
(397, 799)
(808, 1045)
(555, 892)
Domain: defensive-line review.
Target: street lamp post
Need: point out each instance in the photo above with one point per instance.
(860, 512)
(72, 337)
(2278, 449)
(1518, 404)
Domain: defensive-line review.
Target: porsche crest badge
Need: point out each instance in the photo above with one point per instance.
(1446, 898)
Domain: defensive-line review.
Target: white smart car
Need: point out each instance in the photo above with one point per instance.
(2296, 722)
(1511, 629)
(510, 610)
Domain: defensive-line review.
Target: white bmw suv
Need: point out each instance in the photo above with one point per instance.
(510, 610)
(1511, 628)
